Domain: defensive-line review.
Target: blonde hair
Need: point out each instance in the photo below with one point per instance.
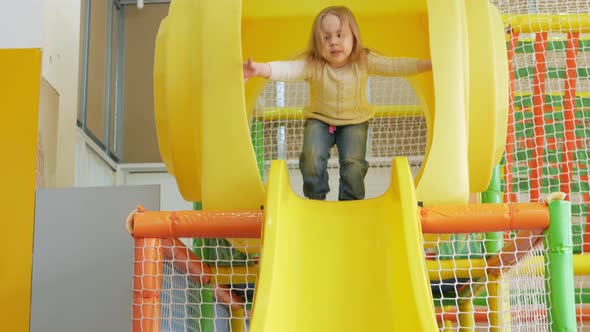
(313, 54)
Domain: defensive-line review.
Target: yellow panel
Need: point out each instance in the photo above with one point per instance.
(502, 81)
(256, 36)
(488, 91)
(160, 101)
(181, 92)
(19, 102)
(342, 266)
(482, 95)
(273, 8)
(444, 177)
(230, 176)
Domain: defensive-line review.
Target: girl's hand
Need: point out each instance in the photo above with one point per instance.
(249, 69)
(424, 65)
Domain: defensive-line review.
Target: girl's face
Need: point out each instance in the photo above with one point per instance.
(337, 41)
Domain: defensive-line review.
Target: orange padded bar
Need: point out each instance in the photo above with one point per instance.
(147, 278)
(469, 218)
(204, 224)
(475, 218)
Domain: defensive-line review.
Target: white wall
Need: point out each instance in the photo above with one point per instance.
(78, 161)
(92, 167)
(154, 173)
(20, 24)
(61, 56)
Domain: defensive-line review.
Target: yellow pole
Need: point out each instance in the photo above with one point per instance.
(19, 105)
(499, 316)
(238, 320)
(448, 325)
(531, 23)
(466, 315)
(581, 265)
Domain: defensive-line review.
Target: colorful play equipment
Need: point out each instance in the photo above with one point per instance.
(473, 228)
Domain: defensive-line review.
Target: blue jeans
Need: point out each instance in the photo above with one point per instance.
(351, 141)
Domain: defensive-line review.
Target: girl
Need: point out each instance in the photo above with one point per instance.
(337, 67)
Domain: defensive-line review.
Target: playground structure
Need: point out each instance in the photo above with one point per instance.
(336, 266)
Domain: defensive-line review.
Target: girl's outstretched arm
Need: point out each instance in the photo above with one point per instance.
(253, 69)
(387, 66)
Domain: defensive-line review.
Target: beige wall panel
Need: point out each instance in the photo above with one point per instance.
(141, 27)
(97, 69)
(48, 120)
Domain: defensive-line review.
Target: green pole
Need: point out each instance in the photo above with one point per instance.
(559, 268)
(207, 298)
(494, 241)
(257, 135)
(200, 245)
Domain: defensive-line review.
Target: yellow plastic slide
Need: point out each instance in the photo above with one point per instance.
(328, 266)
(342, 266)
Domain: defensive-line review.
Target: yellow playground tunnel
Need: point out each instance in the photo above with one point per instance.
(347, 265)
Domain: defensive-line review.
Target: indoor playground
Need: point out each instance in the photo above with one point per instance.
(480, 222)
(477, 195)
(488, 234)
